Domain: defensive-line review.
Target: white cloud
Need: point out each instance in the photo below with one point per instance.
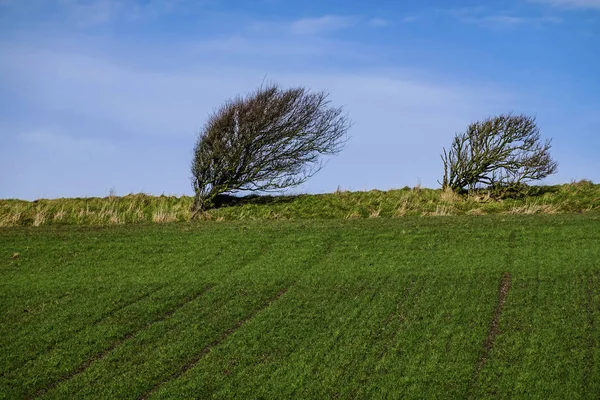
(81, 102)
(86, 14)
(378, 22)
(137, 101)
(312, 28)
(315, 26)
(583, 4)
(500, 21)
(482, 17)
(131, 107)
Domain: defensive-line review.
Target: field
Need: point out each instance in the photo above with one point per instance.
(415, 307)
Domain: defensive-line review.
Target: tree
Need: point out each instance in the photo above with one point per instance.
(504, 150)
(268, 140)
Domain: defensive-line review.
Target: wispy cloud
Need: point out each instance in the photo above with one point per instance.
(77, 102)
(97, 110)
(378, 22)
(315, 27)
(581, 4)
(493, 20)
(500, 21)
(327, 23)
(409, 18)
(88, 14)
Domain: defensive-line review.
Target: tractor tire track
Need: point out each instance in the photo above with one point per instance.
(100, 355)
(196, 359)
(493, 330)
(104, 316)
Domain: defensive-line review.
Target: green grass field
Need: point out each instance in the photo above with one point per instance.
(416, 307)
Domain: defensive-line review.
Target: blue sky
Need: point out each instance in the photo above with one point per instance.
(104, 95)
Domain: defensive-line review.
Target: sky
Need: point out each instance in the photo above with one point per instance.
(109, 96)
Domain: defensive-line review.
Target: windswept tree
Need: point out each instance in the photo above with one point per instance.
(504, 150)
(268, 140)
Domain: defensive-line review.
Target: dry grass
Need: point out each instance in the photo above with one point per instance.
(406, 206)
(534, 209)
(449, 196)
(481, 197)
(476, 211)
(59, 215)
(10, 219)
(353, 215)
(577, 197)
(440, 211)
(139, 215)
(339, 191)
(163, 216)
(375, 213)
(39, 219)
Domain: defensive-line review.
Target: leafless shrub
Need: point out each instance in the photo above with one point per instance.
(267, 141)
(503, 151)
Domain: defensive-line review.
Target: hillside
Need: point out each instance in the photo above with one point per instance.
(577, 197)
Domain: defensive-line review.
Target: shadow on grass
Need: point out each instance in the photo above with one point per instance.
(226, 200)
(542, 190)
(516, 192)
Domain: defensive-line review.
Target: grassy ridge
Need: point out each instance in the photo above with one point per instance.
(368, 308)
(581, 196)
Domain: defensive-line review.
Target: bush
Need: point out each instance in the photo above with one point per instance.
(504, 152)
(267, 141)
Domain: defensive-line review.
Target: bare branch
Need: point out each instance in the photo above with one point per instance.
(267, 141)
(505, 150)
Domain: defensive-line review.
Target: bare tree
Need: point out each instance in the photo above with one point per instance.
(505, 150)
(268, 140)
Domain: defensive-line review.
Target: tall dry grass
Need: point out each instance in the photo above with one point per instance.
(582, 196)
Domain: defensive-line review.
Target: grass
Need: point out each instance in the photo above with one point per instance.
(583, 196)
(457, 307)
